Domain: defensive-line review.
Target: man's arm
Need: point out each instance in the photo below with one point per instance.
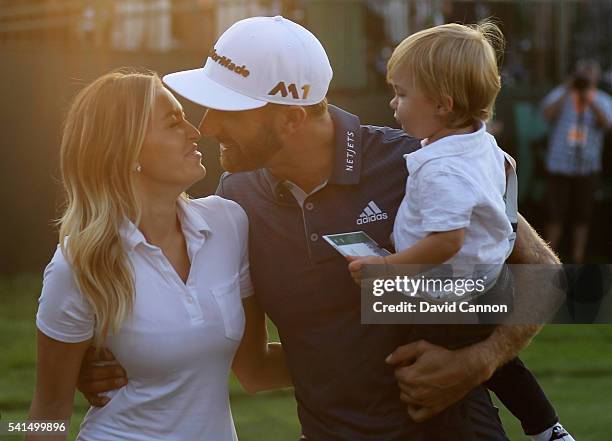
(602, 118)
(508, 340)
(431, 378)
(100, 372)
(530, 248)
(258, 365)
(553, 103)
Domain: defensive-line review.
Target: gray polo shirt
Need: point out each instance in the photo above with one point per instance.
(343, 387)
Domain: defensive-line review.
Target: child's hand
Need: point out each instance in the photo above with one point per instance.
(357, 262)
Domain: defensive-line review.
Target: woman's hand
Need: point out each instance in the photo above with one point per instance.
(259, 364)
(357, 262)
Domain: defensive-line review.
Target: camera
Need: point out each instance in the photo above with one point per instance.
(581, 83)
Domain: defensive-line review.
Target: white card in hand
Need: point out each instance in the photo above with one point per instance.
(356, 243)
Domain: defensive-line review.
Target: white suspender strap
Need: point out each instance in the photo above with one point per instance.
(511, 197)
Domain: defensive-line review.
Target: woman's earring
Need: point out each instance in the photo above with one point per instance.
(138, 168)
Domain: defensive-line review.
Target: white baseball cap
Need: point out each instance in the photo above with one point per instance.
(258, 60)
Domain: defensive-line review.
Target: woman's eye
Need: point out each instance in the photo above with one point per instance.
(178, 122)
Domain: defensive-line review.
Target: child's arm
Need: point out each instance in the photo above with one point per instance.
(436, 248)
(444, 200)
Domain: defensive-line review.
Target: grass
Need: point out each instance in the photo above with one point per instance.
(573, 364)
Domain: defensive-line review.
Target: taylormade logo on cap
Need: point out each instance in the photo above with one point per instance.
(257, 61)
(227, 63)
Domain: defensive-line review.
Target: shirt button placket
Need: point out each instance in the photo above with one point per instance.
(192, 305)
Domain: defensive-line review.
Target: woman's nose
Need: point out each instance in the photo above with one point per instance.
(194, 134)
(392, 103)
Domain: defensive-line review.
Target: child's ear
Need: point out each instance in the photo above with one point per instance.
(445, 106)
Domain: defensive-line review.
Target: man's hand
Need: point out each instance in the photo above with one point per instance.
(100, 373)
(356, 263)
(431, 378)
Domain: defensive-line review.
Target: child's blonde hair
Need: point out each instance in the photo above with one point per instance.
(453, 61)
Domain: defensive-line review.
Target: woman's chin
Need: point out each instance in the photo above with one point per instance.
(194, 176)
(201, 173)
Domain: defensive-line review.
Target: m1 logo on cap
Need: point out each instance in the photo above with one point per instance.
(291, 89)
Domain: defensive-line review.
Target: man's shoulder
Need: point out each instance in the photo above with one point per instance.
(552, 96)
(239, 177)
(374, 137)
(604, 97)
(231, 185)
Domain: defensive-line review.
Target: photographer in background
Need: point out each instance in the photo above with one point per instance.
(579, 114)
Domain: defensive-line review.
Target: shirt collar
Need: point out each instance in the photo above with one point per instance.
(191, 221)
(454, 145)
(273, 181)
(191, 218)
(349, 152)
(131, 235)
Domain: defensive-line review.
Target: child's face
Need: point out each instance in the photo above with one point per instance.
(417, 114)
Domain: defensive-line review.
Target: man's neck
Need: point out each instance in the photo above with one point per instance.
(309, 159)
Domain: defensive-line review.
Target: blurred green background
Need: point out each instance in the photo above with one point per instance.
(573, 364)
(73, 42)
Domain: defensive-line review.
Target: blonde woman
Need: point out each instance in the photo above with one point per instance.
(159, 279)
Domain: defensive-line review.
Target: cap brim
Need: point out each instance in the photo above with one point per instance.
(196, 86)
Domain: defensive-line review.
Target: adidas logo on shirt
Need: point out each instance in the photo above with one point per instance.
(371, 213)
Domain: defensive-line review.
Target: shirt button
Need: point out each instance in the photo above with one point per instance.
(189, 299)
(309, 206)
(314, 237)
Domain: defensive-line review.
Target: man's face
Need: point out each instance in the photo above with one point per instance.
(247, 139)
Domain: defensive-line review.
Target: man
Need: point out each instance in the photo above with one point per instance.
(301, 169)
(580, 114)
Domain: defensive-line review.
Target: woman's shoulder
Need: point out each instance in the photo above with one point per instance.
(215, 202)
(214, 207)
(59, 278)
(64, 313)
(58, 267)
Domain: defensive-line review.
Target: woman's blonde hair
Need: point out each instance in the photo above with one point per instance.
(101, 141)
(453, 61)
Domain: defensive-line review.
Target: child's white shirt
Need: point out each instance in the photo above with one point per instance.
(458, 182)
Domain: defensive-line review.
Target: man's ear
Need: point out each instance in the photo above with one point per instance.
(291, 119)
(445, 106)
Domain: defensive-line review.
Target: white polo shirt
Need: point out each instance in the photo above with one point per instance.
(177, 346)
(459, 182)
